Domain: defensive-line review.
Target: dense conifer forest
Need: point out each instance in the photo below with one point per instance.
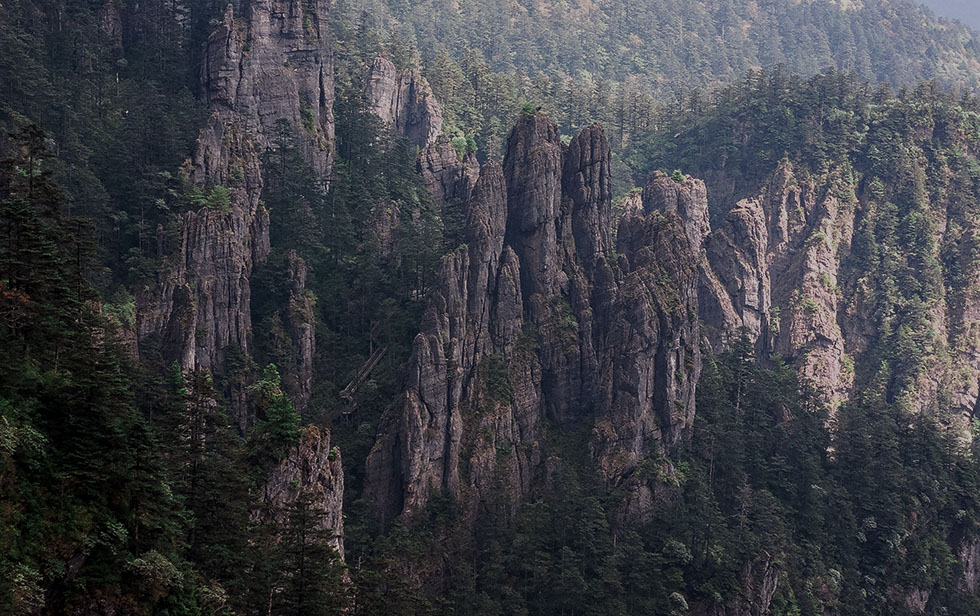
(780, 198)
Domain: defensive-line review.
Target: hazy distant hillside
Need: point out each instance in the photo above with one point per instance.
(966, 11)
(616, 61)
(681, 44)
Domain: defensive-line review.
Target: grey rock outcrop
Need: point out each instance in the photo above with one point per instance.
(300, 324)
(274, 63)
(758, 582)
(447, 176)
(688, 199)
(200, 306)
(271, 64)
(736, 254)
(110, 22)
(403, 101)
(530, 321)
(968, 554)
(771, 271)
(313, 469)
(654, 337)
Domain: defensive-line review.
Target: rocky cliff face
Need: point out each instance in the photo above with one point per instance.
(789, 268)
(448, 177)
(201, 305)
(757, 583)
(533, 320)
(781, 265)
(272, 64)
(299, 322)
(313, 469)
(404, 101)
(771, 271)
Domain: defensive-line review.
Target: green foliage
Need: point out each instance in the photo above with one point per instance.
(463, 144)
(756, 487)
(309, 120)
(278, 426)
(298, 571)
(677, 176)
(179, 531)
(496, 380)
(123, 307)
(624, 64)
(69, 426)
(215, 198)
(219, 200)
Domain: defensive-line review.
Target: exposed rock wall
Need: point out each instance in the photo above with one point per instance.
(314, 469)
(300, 323)
(757, 582)
(688, 199)
(771, 271)
(780, 268)
(273, 63)
(404, 101)
(530, 321)
(447, 176)
(201, 304)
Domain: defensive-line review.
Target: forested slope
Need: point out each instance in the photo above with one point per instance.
(274, 341)
(610, 60)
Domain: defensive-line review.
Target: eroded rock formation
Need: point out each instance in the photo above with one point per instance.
(403, 101)
(200, 306)
(771, 271)
(312, 469)
(533, 320)
(448, 177)
(300, 323)
(274, 63)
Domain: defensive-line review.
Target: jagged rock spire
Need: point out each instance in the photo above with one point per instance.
(530, 321)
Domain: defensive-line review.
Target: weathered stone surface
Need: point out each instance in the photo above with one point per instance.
(420, 445)
(968, 553)
(404, 102)
(735, 285)
(300, 324)
(757, 587)
(771, 271)
(275, 63)
(688, 199)
(654, 365)
(586, 182)
(448, 177)
(530, 321)
(311, 468)
(533, 168)
(201, 304)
